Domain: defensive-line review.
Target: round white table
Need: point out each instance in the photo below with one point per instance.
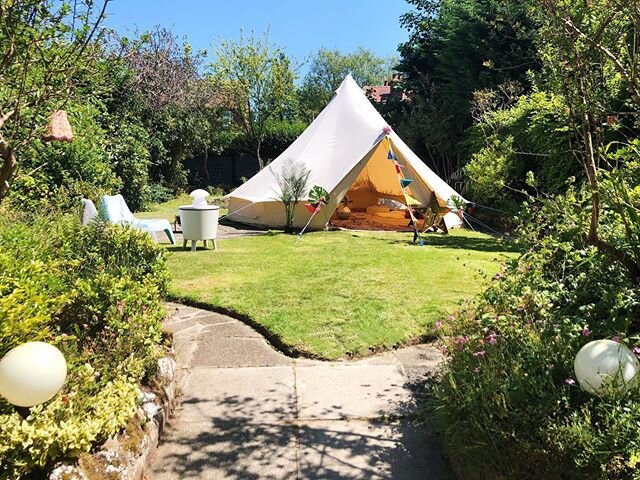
(199, 223)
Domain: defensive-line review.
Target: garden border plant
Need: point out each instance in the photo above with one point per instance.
(96, 294)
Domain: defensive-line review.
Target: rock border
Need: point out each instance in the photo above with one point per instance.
(129, 454)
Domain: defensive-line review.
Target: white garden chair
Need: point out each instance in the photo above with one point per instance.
(115, 210)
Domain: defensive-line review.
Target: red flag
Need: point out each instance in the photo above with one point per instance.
(398, 168)
(310, 208)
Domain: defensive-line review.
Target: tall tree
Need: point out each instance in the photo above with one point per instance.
(254, 79)
(592, 54)
(45, 47)
(328, 69)
(177, 105)
(455, 48)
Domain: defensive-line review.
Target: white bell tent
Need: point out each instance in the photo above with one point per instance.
(346, 152)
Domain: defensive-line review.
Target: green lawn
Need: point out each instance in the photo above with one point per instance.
(169, 209)
(336, 294)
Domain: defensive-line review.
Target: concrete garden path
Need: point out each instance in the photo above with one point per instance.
(250, 412)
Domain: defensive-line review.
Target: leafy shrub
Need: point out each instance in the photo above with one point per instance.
(507, 144)
(127, 150)
(95, 293)
(508, 404)
(158, 193)
(58, 174)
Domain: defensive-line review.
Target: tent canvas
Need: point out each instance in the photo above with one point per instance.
(345, 151)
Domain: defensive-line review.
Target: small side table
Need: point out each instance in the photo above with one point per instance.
(199, 224)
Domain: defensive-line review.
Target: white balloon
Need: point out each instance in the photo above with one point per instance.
(32, 373)
(604, 363)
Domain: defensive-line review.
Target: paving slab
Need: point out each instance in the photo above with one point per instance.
(234, 352)
(419, 364)
(334, 391)
(363, 450)
(250, 412)
(181, 325)
(232, 329)
(248, 394)
(182, 312)
(227, 450)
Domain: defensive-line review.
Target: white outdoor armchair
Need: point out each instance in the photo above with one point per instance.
(115, 210)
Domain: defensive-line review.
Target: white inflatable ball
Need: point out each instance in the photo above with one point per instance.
(603, 364)
(32, 373)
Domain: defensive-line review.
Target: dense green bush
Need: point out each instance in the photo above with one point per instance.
(58, 174)
(508, 403)
(507, 144)
(95, 293)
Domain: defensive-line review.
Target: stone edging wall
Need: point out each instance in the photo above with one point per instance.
(127, 455)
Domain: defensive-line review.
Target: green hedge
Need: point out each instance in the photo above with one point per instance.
(96, 294)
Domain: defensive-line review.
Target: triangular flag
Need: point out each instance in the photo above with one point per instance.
(390, 155)
(398, 168)
(405, 182)
(411, 200)
(310, 208)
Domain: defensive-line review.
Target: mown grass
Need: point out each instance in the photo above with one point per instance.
(338, 294)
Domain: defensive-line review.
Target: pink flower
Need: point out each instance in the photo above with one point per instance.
(479, 353)
(586, 332)
(616, 338)
(570, 381)
(386, 130)
(438, 325)
(492, 339)
(460, 341)
(636, 350)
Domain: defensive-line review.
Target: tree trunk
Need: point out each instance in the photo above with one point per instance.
(206, 165)
(590, 162)
(592, 175)
(9, 166)
(258, 157)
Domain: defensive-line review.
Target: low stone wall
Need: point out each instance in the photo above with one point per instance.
(127, 455)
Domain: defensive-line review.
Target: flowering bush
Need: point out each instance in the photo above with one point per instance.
(95, 293)
(508, 403)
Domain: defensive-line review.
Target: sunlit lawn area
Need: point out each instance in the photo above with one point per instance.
(336, 294)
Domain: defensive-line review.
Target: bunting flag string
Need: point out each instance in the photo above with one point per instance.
(310, 208)
(404, 183)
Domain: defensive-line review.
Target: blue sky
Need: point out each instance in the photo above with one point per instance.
(300, 26)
